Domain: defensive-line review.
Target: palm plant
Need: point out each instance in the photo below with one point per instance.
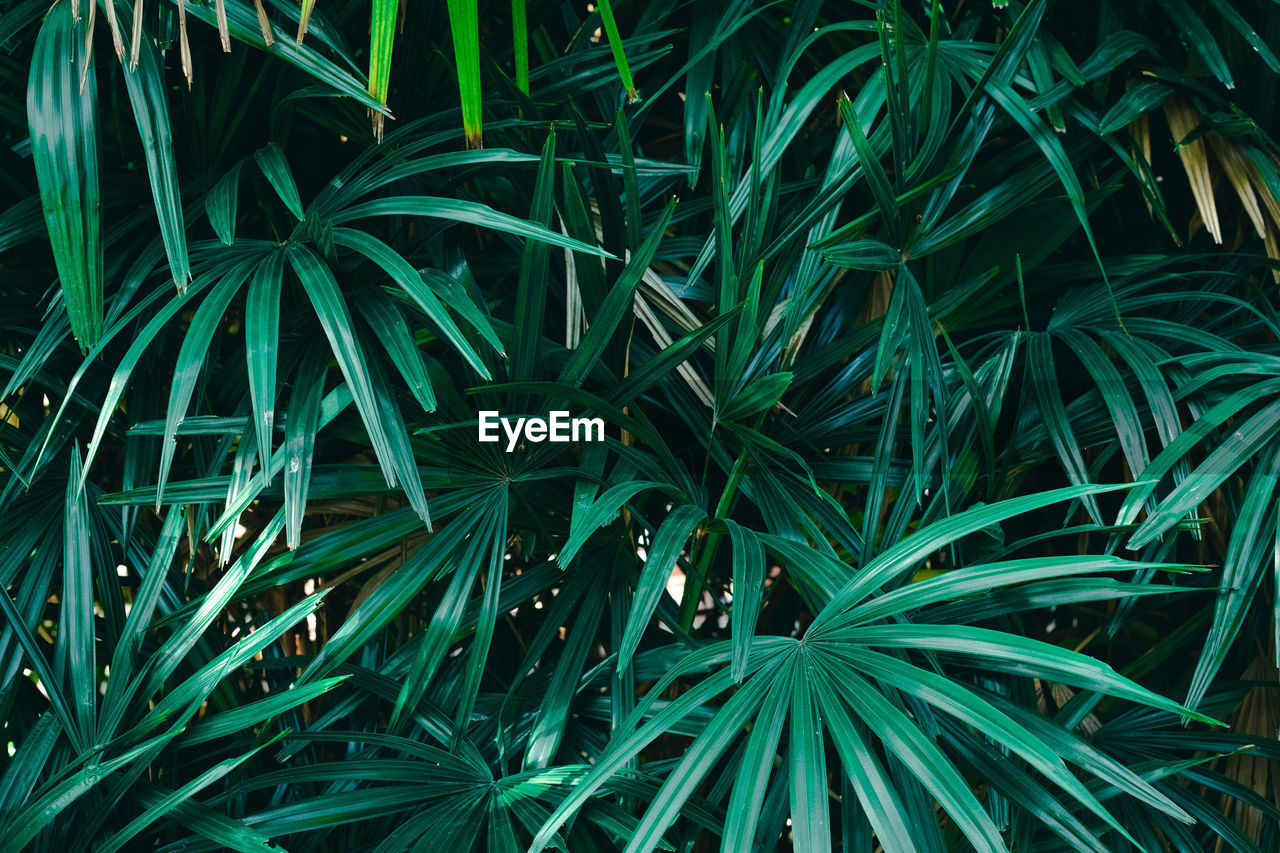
(941, 382)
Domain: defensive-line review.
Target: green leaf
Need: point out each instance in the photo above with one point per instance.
(326, 297)
(616, 304)
(464, 24)
(333, 404)
(410, 280)
(1054, 662)
(1048, 143)
(124, 660)
(668, 543)
(1225, 459)
(62, 708)
(876, 792)
(768, 656)
(1136, 101)
(906, 553)
(520, 43)
(23, 771)
(486, 619)
(1111, 385)
(1012, 788)
(61, 116)
(695, 764)
(1253, 541)
(386, 601)
(642, 377)
(54, 797)
(168, 802)
(195, 347)
(810, 803)
(144, 80)
(970, 580)
(402, 454)
(186, 635)
(903, 739)
(880, 188)
(207, 823)
(554, 716)
(871, 255)
(447, 617)
(615, 45)
(300, 440)
(750, 786)
(722, 231)
(77, 621)
(389, 326)
(589, 518)
(382, 33)
(271, 160)
(220, 205)
(531, 287)
(192, 690)
(1201, 39)
(960, 702)
(454, 294)
(748, 590)
(1075, 749)
(1043, 378)
(261, 340)
(462, 210)
(1250, 35)
(761, 393)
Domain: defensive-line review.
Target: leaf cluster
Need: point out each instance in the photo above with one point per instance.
(937, 503)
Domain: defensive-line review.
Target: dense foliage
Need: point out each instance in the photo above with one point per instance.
(939, 353)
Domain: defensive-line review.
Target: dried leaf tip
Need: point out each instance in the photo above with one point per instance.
(136, 35)
(220, 9)
(88, 45)
(184, 46)
(117, 39)
(268, 35)
(1183, 119)
(304, 19)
